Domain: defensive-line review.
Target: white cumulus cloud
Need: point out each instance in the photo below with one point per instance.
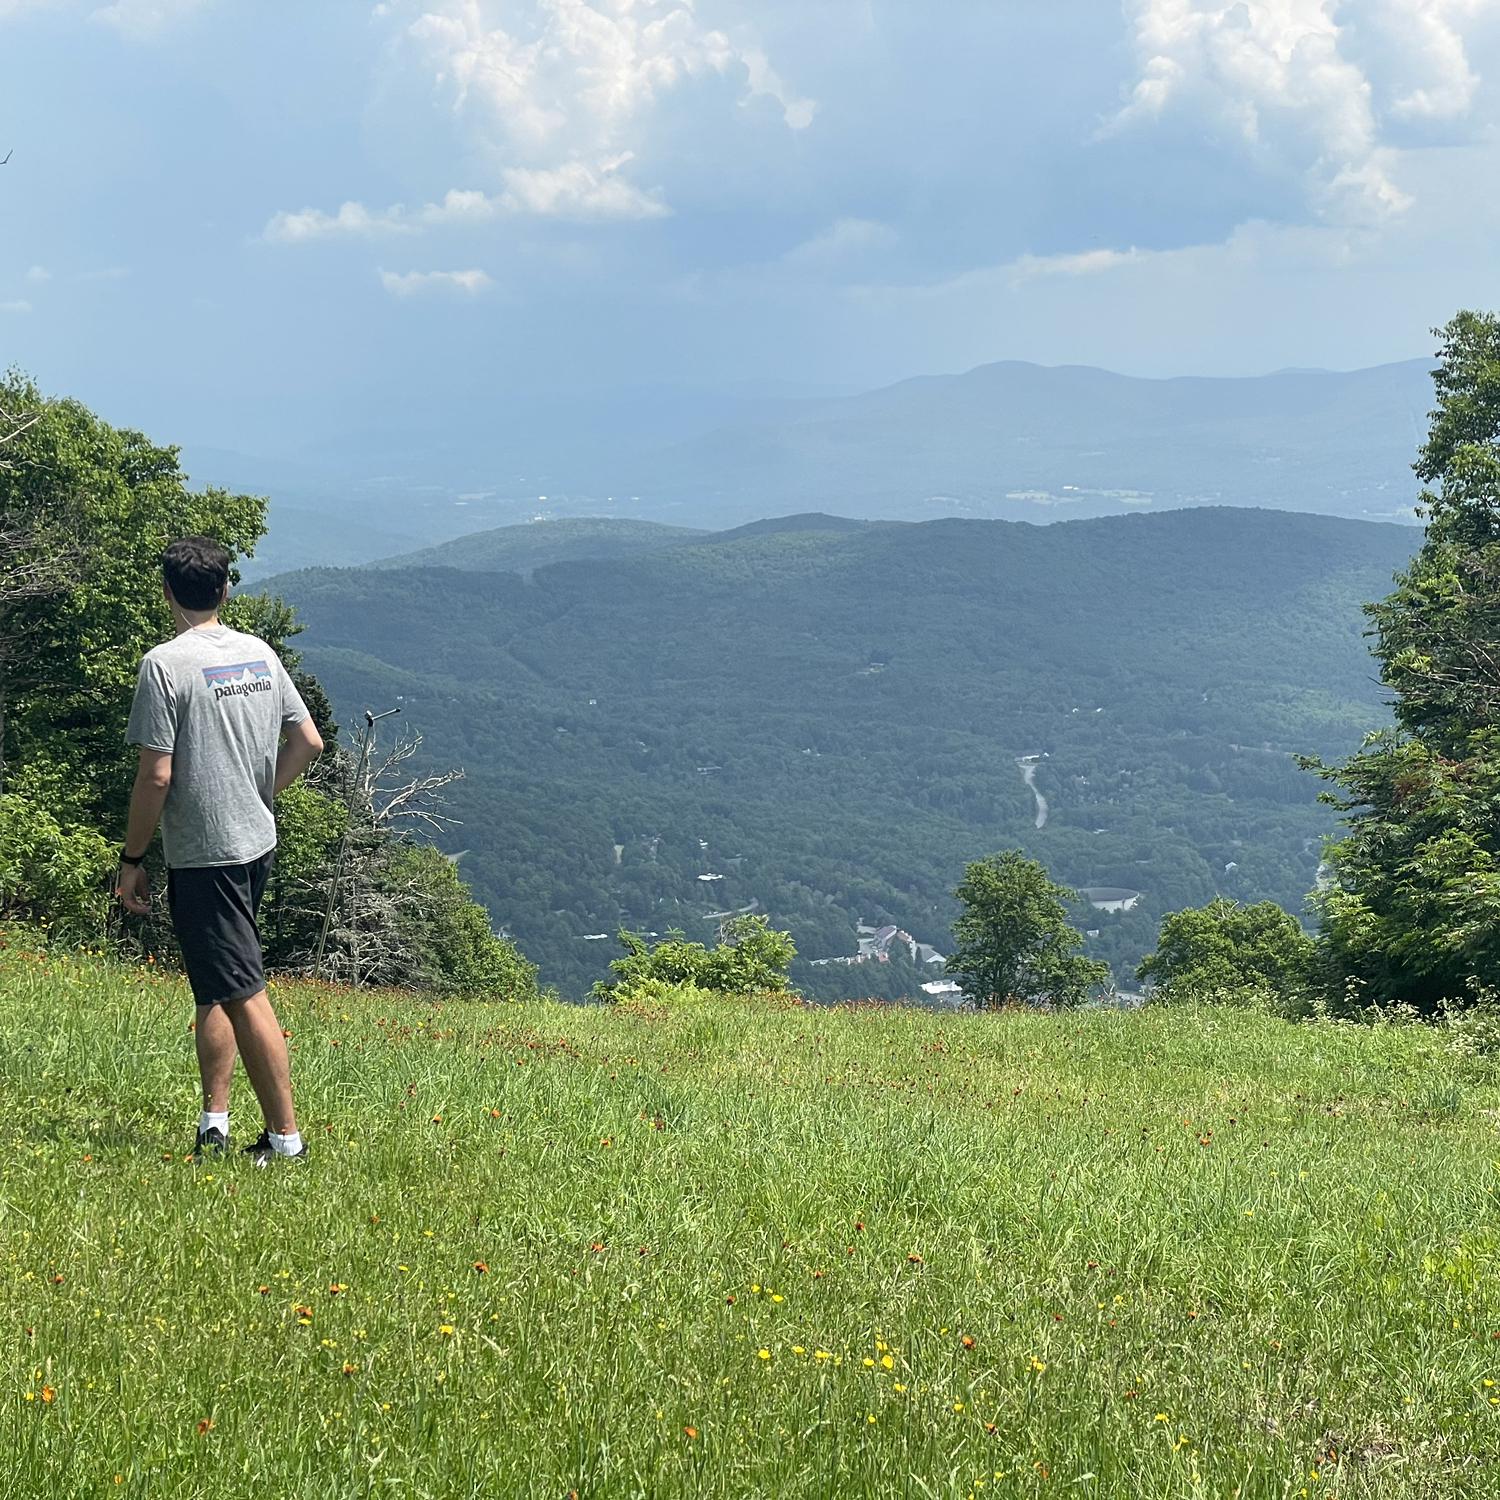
(141, 17)
(1430, 37)
(410, 283)
(1284, 78)
(348, 219)
(575, 190)
(1256, 244)
(557, 95)
(580, 72)
(841, 241)
(765, 81)
(547, 84)
(1078, 263)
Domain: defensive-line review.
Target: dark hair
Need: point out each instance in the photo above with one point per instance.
(197, 571)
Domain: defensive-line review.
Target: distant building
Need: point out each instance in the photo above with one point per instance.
(1110, 898)
(943, 989)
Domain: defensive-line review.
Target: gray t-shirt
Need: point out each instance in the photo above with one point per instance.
(216, 700)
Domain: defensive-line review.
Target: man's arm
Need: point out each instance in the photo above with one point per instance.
(302, 746)
(153, 777)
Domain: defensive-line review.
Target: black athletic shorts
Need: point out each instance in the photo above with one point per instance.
(213, 914)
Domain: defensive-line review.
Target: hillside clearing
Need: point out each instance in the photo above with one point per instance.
(725, 1249)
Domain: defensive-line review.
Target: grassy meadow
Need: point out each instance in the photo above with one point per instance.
(735, 1248)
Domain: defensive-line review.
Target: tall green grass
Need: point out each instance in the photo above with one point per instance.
(720, 1248)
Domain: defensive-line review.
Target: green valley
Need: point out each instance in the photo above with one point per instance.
(823, 720)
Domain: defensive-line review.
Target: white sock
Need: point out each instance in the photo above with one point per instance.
(286, 1145)
(214, 1120)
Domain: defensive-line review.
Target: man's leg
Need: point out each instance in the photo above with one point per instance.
(214, 1035)
(262, 1046)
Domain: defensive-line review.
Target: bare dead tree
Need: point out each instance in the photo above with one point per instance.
(398, 804)
(382, 898)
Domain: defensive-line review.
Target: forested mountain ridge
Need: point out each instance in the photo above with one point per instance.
(539, 543)
(827, 723)
(542, 541)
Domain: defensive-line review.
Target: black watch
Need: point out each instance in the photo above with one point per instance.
(132, 859)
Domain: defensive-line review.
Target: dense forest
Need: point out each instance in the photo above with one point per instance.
(824, 721)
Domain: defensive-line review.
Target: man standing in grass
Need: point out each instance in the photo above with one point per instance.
(210, 710)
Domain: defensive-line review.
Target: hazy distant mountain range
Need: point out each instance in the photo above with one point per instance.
(1024, 442)
(1010, 441)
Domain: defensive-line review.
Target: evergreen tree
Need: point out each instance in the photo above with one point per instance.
(1412, 914)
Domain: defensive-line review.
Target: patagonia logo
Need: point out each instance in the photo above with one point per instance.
(238, 679)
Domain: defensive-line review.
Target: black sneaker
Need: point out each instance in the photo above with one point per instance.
(262, 1153)
(211, 1142)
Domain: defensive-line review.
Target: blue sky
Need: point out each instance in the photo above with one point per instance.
(245, 224)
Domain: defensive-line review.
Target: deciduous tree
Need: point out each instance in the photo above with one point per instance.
(1226, 951)
(1015, 944)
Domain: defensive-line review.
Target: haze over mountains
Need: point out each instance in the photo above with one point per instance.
(1010, 441)
(824, 719)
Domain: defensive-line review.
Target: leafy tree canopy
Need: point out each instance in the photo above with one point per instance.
(1413, 914)
(1226, 951)
(85, 512)
(1014, 940)
(751, 958)
(109, 500)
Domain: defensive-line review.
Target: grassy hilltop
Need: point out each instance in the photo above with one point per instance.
(734, 1250)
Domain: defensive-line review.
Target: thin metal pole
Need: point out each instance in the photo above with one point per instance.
(338, 866)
